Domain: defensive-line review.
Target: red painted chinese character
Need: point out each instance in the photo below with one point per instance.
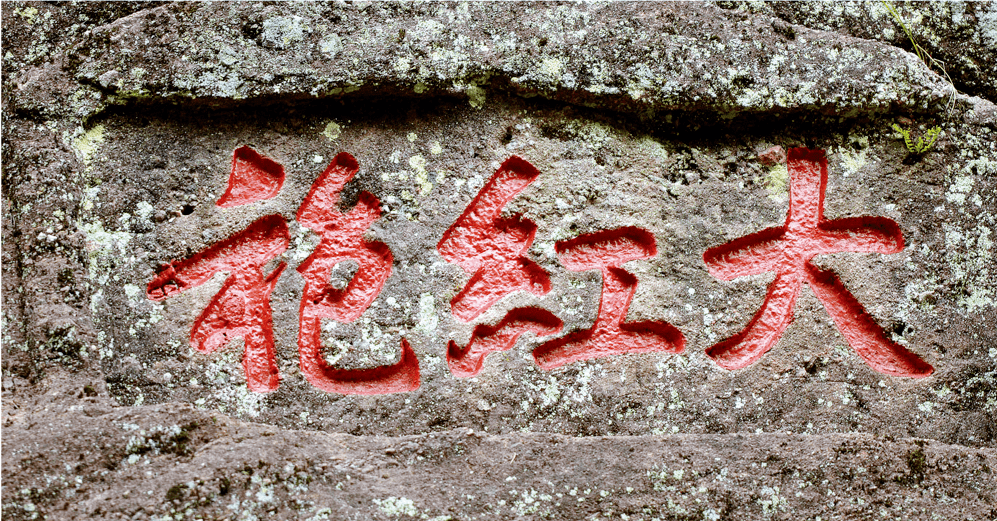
(242, 307)
(342, 240)
(788, 250)
(253, 178)
(610, 335)
(492, 248)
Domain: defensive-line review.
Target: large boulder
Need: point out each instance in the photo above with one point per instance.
(174, 171)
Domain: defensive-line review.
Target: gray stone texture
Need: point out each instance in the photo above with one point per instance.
(119, 123)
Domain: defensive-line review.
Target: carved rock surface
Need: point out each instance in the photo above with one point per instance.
(644, 123)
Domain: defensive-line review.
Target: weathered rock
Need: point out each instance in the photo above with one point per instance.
(772, 156)
(120, 123)
(669, 57)
(45, 279)
(960, 36)
(98, 461)
(595, 175)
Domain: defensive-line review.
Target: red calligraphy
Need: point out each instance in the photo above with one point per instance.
(788, 250)
(467, 361)
(342, 240)
(253, 178)
(610, 335)
(492, 248)
(242, 307)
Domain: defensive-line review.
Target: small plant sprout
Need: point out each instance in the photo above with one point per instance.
(922, 53)
(924, 143)
(927, 141)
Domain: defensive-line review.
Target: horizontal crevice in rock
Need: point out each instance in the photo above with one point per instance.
(636, 58)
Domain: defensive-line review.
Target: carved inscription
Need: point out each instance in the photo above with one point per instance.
(242, 307)
(788, 250)
(342, 239)
(466, 362)
(253, 178)
(492, 249)
(610, 335)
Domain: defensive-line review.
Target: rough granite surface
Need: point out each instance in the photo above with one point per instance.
(119, 125)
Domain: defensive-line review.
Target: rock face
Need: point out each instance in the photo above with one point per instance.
(959, 37)
(498, 260)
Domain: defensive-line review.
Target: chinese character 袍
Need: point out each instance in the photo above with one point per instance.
(242, 307)
(342, 240)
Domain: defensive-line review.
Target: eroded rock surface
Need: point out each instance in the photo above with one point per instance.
(656, 120)
(168, 460)
(961, 37)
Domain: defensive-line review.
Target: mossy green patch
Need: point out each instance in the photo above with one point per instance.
(332, 131)
(28, 13)
(476, 96)
(776, 181)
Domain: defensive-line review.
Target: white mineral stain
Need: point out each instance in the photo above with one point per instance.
(103, 247)
(232, 393)
(969, 256)
(330, 45)
(402, 65)
(428, 321)
(397, 506)
(132, 291)
(987, 20)
(774, 503)
(226, 54)
(144, 210)
(960, 189)
(305, 241)
(551, 69)
(282, 31)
